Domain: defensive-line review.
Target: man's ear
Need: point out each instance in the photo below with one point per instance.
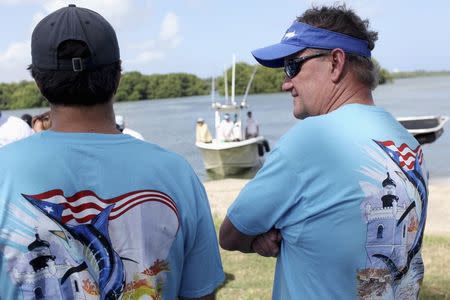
(338, 61)
(119, 75)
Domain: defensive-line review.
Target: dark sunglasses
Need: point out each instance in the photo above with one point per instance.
(293, 66)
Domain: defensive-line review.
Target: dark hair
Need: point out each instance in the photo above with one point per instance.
(344, 20)
(83, 88)
(27, 118)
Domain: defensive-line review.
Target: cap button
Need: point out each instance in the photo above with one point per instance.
(72, 5)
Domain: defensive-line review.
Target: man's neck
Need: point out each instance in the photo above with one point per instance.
(94, 119)
(348, 92)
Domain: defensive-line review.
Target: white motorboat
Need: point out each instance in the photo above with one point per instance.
(426, 129)
(238, 155)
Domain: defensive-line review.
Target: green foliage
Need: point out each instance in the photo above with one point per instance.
(266, 80)
(383, 75)
(24, 94)
(419, 73)
(135, 86)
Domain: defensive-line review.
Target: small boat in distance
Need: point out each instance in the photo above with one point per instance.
(225, 157)
(426, 129)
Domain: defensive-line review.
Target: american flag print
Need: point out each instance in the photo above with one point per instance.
(83, 206)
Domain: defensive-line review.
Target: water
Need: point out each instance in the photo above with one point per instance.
(171, 122)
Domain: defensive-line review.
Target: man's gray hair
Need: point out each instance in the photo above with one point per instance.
(341, 19)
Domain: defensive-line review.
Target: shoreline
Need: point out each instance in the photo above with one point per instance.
(222, 193)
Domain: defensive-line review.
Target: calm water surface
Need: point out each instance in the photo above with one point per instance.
(171, 122)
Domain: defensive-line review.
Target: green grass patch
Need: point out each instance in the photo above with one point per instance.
(250, 276)
(436, 256)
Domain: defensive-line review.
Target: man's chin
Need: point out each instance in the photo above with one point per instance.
(300, 115)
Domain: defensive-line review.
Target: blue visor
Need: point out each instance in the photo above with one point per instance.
(301, 36)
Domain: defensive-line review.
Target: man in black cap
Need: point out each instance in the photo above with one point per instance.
(117, 217)
(319, 190)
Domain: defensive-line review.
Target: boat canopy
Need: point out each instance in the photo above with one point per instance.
(228, 107)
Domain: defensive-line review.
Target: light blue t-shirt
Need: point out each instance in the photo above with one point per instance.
(348, 191)
(89, 216)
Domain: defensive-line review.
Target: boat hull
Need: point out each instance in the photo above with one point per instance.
(231, 158)
(426, 129)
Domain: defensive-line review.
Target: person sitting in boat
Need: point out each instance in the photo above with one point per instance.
(202, 133)
(237, 129)
(252, 127)
(225, 129)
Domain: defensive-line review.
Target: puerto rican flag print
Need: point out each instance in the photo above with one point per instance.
(406, 156)
(83, 206)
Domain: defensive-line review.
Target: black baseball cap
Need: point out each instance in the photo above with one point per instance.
(73, 23)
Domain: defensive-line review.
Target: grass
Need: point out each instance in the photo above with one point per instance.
(250, 276)
(436, 256)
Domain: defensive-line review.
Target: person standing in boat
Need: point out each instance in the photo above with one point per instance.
(237, 129)
(251, 127)
(225, 129)
(202, 133)
(315, 204)
(124, 217)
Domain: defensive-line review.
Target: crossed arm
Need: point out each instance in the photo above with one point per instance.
(266, 244)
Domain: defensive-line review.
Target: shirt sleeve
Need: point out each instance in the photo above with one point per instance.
(202, 268)
(266, 198)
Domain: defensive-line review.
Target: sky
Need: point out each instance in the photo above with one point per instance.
(200, 36)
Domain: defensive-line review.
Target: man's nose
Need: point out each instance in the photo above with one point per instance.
(287, 84)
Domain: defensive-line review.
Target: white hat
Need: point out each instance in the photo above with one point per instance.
(120, 122)
(200, 120)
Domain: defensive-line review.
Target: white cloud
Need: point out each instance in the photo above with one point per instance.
(169, 34)
(14, 62)
(118, 12)
(152, 50)
(121, 13)
(146, 57)
(169, 27)
(14, 2)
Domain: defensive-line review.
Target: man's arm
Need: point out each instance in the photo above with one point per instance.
(266, 244)
(232, 239)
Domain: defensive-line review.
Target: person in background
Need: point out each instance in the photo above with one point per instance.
(86, 211)
(41, 122)
(120, 124)
(12, 129)
(27, 119)
(252, 127)
(225, 129)
(202, 133)
(341, 201)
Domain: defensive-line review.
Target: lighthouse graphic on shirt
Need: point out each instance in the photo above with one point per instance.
(77, 246)
(393, 211)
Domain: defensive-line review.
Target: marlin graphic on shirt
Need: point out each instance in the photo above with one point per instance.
(415, 182)
(99, 258)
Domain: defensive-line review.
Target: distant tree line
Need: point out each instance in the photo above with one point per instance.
(136, 86)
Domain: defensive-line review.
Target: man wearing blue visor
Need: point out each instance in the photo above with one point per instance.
(341, 201)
